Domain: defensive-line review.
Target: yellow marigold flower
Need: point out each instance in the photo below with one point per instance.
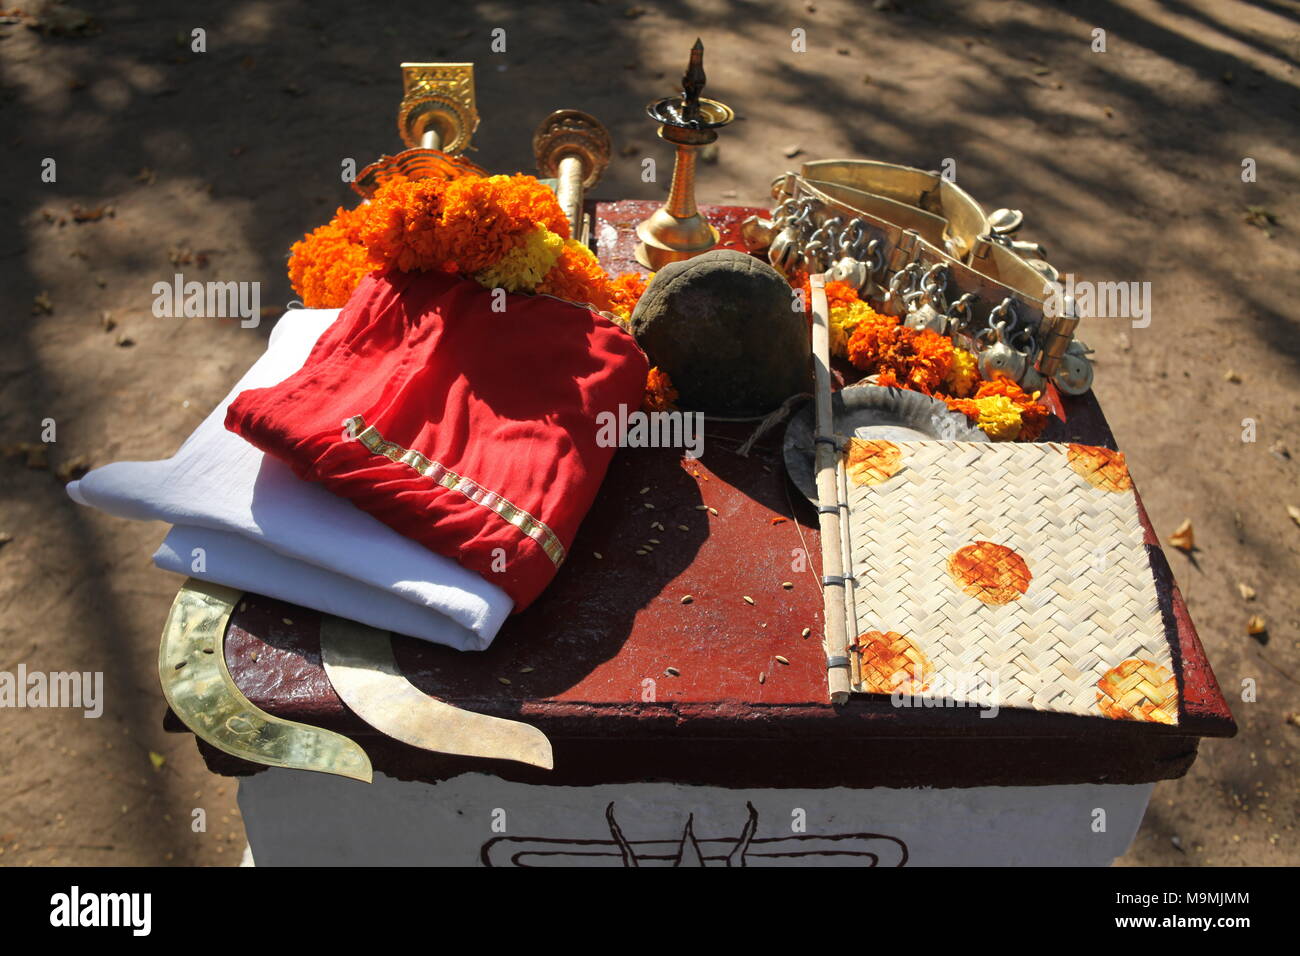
(964, 375)
(845, 317)
(999, 417)
(523, 267)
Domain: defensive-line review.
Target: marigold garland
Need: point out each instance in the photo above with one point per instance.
(924, 361)
(524, 267)
(578, 277)
(921, 359)
(483, 219)
(506, 231)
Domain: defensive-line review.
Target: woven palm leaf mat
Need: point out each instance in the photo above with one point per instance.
(1013, 574)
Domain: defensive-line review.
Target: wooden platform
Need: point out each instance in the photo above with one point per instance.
(588, 663)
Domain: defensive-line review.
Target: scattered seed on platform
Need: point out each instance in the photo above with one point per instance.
(672, 672)
(597, 555)
(527, 669)
(682, 527)
(787, 585)
(504, 680)
(781, 660)
(701, 507)
(748, 599)
(287, 621)
(657, 524)
(655, 541)
(762, 677)
(713, 511)
(806, 632)
(648, 505)
(645, 489)
(642, 551)
(687, 598)
(648, 547)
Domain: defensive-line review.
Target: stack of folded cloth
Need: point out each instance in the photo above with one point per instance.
(418, 461)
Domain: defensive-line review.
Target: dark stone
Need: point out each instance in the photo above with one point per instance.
(721, 325)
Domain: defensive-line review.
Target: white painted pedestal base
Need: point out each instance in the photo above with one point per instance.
(295, 818)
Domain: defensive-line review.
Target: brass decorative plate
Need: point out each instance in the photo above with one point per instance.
(360, 664)
(200, 690)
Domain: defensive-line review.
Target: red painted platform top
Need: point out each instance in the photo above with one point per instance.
(611, 662)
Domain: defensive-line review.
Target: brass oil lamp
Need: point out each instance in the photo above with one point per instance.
(677, 231)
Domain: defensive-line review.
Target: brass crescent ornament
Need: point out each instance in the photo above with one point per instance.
(360, 664)
(199, 689)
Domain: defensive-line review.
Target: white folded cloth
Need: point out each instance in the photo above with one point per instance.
(263, 529)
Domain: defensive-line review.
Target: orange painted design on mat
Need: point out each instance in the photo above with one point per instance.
(889, 662)
(991, 572)
(1100, 467)
(1139, 690)
(872, 461)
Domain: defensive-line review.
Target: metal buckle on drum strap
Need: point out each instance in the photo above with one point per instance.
(783, 187)
(906, 251)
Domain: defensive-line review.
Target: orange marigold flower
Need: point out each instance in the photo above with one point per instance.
(659, 392)
(837, 293)
(919, 360)
(327, 264)
(626, 292)
(886, 378)
(399, 226)
(578, 277)
(841, 293)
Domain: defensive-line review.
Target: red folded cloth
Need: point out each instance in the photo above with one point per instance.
(475, 430)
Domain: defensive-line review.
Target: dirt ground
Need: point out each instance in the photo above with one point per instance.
(1128, 164)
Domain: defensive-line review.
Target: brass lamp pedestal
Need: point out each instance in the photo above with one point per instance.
(436, 120)
(573, 147)
(677, 231)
